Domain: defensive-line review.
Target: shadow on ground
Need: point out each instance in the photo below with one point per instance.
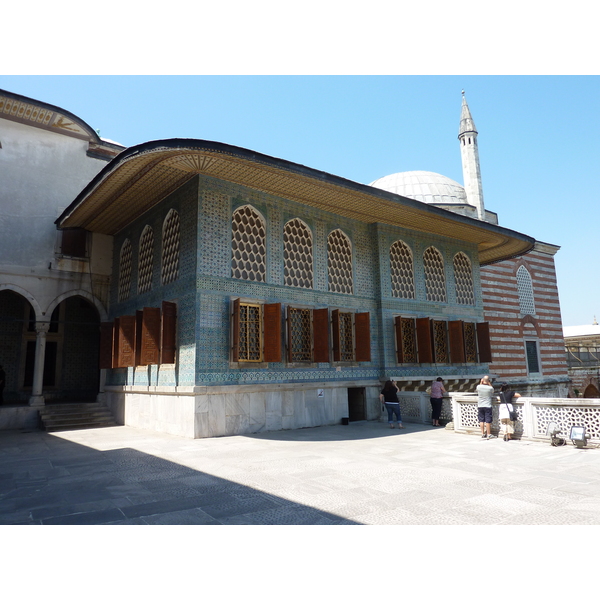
(47, 480)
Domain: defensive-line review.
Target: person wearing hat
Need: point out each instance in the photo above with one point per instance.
(485, 391)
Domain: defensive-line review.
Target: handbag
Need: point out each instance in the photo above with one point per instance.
(507, 410)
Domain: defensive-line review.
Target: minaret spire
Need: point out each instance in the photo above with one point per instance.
(467, 137)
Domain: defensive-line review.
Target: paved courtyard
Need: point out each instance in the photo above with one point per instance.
(364, 473)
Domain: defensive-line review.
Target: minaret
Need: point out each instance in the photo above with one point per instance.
(467, 137)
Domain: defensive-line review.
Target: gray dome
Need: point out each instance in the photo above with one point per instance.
(425, 186)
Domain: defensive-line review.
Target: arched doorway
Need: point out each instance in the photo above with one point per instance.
(15, 320)
(70, 372)
(591, 391)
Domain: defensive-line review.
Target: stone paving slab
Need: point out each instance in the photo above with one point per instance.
(363, 473)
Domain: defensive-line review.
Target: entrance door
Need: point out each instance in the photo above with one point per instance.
(357, 405)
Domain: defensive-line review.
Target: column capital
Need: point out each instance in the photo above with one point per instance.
(42, 326)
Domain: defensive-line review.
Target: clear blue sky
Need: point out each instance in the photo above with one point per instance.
(539, 138)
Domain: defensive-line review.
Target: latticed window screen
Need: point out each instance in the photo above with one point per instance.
(146, 262)
(298, 254)
(250, 333)
(409, 341)
(402, 273)
(170, 248)
(525, 287)
(339, 263)
(300, 334)
(435, 280)
(463, 279)
(125, 271)
(470, 342)
(346, 337)
(440, 342)
(248, 245)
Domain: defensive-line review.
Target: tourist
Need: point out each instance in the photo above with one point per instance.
(389, 397)
(485, 391)
(506, 397)
(436, 397)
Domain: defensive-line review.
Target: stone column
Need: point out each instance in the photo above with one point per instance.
(37, 399)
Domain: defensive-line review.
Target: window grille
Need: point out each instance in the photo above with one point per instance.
(250, 333)
(408, 340)
(125, 271)
(440, 342)
(463, 279)
(339, 263)
(435, 280)
(470, 342)
(248, 245)
(525, 287)
(533, 361)
(170, 248)
(146, 260)
(346, 337)
(300, 341)
(402, 272)
(298, 254)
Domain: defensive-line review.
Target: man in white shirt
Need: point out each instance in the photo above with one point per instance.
(485, 391)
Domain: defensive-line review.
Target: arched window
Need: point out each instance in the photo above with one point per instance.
(125, 271)
(463, 279)
(402, 271)
(298, 254)
(525, 287)
(339, 263)
(435, 279)
(170, 248)
(146, 260)
(248, 245)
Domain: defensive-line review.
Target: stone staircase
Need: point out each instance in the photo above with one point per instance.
(64, 417)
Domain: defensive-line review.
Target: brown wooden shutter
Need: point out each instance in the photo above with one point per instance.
(115, 350)
(169, 333)
(335, 331)
(150, 336)
(457, 342)
(127, 341)
(321, 335)
(424, 346)
(399, 346)
(139, 315)
(483, 342)
(235, 330)
(272, 336)
(106, 345)
(73, 242)
(362, 337)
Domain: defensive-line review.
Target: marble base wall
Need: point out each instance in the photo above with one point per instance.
(200, 412)
(19, 417)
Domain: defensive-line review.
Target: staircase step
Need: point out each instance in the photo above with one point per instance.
(64, 417)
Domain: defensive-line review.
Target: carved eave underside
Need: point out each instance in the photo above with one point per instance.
(140, 178)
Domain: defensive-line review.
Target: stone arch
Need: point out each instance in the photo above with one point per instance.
(591, 391)
(528, 319)
(22, 292)
(103, 315)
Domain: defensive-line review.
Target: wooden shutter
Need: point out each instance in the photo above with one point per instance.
(335, 331)
(126, 341)
(115, 350)
(169, 333)
(457, 342)
(235, 331)
(150, 336)
(398, 335)
(106, 345)
(139, 315)
(483, 342)
(362, 337)
(321, 335)
(272, 332)
(73, 242)
(424, 347)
